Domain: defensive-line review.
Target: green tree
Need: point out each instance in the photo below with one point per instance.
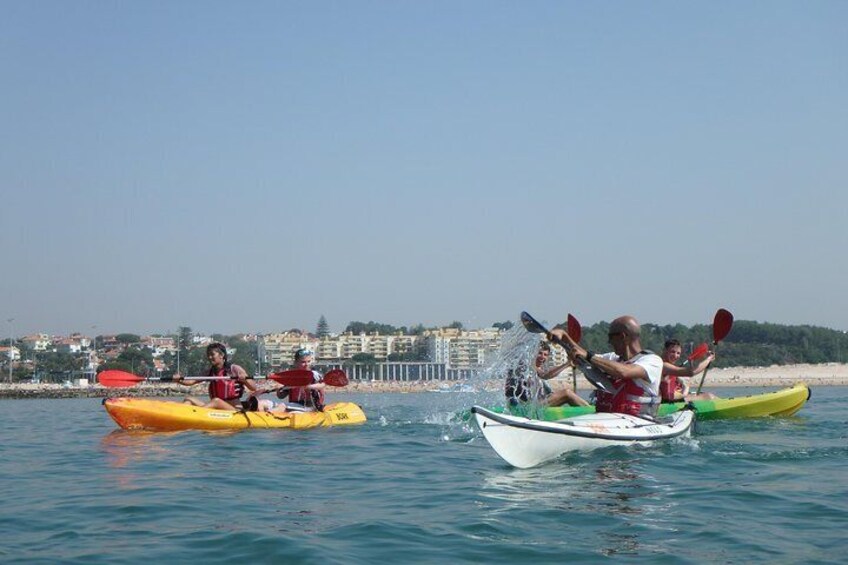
(184, 338)
(242, 353)
(140, 361)
(323, 329)
(127, 339)
(503, 325)
(371, 327)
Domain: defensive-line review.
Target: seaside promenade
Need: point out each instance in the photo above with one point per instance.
(827, 374)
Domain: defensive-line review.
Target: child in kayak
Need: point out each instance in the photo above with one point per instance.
(224, 394)
(673, 388)
(305, 398)
(520, 388)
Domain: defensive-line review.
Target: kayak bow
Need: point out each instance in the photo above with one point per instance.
(525, 443)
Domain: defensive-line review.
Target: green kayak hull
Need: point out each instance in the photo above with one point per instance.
(784, 402)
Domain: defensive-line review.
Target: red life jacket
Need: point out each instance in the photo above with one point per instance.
(307, 397)
(629, 398)
(225, 389)
(669, 385)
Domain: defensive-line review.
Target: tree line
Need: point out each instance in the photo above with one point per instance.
(751, 344)
(748, 344)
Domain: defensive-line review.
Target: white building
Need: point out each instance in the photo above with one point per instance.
(37, 342)
(5, 355)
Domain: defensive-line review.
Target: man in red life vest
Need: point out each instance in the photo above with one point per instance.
(224, 394)
(628, 378)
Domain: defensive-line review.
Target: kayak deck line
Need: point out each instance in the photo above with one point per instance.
(546, 427)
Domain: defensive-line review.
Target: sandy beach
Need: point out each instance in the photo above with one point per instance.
(828, 374)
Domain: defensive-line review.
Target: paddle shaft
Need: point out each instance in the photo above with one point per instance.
(575, 330)
(722, 323)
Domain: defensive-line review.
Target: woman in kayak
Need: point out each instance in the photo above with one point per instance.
(224, 394)
(520, 388)
(310, 397)
(673, 388)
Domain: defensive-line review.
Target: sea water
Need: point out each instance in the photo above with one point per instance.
(417, 484)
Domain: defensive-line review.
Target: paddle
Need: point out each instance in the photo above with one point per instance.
(575, 332)
(303, 377)
(114, 378)
(336, 377)
(533, 326)
(722, 323)
(118, 379)
(699, 351)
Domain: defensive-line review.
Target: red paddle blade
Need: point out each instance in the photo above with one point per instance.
(294, 377)
(573, 328)
(699, 351)
(114, 378)
(336, 377)
(721, 324)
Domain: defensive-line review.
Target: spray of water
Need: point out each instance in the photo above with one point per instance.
(516, 363)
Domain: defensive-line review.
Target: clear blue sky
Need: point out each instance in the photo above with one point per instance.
(238, 166)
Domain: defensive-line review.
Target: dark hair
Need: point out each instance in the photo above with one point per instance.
(218, 347)
(671, 343)
(544, 346)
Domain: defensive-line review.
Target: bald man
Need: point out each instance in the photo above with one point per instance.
(628, 378)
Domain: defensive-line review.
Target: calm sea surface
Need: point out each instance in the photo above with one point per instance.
(417, 485)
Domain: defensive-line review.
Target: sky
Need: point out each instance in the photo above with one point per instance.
(249, 167)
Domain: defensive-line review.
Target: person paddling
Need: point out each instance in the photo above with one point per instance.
(310, 397)
(520, 389)
(673, 388)
(224, 394)
(627, 378)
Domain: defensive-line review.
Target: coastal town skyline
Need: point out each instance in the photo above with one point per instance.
(420, 162)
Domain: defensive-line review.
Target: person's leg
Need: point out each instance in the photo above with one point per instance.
(566, 396)
(219, 404)
(194, 401)
(265, 405)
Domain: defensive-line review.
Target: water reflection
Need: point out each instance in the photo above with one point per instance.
(614, 496)
(123, 448)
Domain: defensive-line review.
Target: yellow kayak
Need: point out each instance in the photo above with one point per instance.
(784, 402)
(165, 416)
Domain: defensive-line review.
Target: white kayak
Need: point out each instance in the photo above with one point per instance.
(525, 443)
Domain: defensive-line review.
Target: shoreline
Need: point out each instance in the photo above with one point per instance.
(827, 374)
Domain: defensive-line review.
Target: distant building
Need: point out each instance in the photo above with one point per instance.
(37, 342)
(463, 349)
(160, 345)
(68, 345)
(4, 353)
(280, 347)
(455, 348)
